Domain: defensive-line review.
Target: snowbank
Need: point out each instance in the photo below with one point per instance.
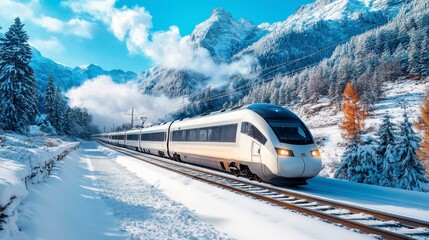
(24, 160)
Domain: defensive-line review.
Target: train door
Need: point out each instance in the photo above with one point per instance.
(256, 152)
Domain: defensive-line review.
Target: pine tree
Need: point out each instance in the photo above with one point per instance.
(414, 60)
(402, 56)
(354, 114)
(58, 109)
(389, 168)
(18, 92)
(349, 161)
(411, 171)
(385, 135)
(366, 168)
(386, 158)
(50, 99)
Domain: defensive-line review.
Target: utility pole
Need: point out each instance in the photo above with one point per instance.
(132, 117)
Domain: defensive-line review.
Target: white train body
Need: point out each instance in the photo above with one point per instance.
(260, 141)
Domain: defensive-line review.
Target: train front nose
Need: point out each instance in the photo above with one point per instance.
(302, 164)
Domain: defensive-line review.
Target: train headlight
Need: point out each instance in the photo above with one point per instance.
(284, 152)
(315, 153)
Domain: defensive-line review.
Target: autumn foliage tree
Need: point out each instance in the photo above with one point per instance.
(354, 113)
(423, 124)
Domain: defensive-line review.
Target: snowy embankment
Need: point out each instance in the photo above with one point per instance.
(98, 193)
(24, 160)
(323, 118)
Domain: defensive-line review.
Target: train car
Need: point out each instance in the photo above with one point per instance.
(153, 140)
(121, 138)
(261, 141)
(132, 139)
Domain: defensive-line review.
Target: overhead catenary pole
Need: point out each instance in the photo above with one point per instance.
(132, 117)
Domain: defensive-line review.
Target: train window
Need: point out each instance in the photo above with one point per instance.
(202, 135)
(133, 137)
(291, 131)
(193, 135)
(250, 130)
(229, 133)
(155, 137)
(225, 133)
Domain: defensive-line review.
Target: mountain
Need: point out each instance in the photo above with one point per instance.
(339, 10)
(224, 36)
(68, 77)
(171, 82)
(319, 25)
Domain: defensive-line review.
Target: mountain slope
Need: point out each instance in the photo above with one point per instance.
(67, 77)
(313, 27)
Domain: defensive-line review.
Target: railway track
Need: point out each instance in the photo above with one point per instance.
(385, 225)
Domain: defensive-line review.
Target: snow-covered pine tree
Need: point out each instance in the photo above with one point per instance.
(66, 124)
(386, 135)
(414, 60)
(50, 100)
(349, 161)
(386, 161)
(58, 109)
(402, 56)
(411, 172)
(18, 92)
(366, 169)
(389, 168)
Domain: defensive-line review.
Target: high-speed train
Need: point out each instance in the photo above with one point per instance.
(263, 142)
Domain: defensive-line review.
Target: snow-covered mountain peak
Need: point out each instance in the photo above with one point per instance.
(327, 10)
(220, 13)
(223, 35)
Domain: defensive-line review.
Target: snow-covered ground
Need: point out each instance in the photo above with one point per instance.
(323, 118)
(96, 193)
(23, 160)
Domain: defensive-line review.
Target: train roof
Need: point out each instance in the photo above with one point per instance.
(270, 111)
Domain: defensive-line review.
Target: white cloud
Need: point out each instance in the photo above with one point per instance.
(166, 48)
(11, 9)
(75, 26)
(109, 102)
(51, 45)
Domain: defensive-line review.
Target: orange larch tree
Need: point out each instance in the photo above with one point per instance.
(354, 113)
(423, 125)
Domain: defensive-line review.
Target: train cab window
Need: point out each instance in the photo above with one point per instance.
(250, 130)
(291, 131)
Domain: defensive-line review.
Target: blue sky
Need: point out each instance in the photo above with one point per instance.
(107, 32)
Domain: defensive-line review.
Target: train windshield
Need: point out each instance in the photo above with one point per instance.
(291, 131)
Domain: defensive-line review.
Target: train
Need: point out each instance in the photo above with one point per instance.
(262, 142)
